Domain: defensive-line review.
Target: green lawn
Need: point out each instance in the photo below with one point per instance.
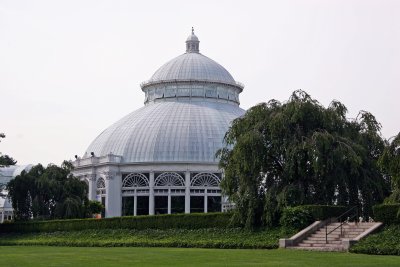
(133, 256)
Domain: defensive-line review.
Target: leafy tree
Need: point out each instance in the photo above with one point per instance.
(298, 152)
(390, 163)
(48, 193)
(6, 160)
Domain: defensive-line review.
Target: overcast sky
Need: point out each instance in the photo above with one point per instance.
(69, 69)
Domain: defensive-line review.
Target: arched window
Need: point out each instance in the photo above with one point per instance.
(135, 180)
(169, 179)
(205, 179)
(101, 184)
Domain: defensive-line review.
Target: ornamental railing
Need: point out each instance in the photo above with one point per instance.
(153, 82)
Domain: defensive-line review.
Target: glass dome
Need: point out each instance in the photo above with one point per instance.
(190, 103)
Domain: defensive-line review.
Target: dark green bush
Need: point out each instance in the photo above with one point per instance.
(385, 242)
(175, 221)
(387, 213)
(301, 216)
(323, 212)
(296, 218)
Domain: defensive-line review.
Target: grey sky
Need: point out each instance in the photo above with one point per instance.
(69, 69)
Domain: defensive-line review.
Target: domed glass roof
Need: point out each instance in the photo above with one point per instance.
(168, 132)
(192, 66)
(185, 121)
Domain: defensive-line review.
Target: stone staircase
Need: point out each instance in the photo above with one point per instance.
(314, 236)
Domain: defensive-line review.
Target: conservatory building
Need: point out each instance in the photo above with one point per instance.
(6, 175)
(160, 159)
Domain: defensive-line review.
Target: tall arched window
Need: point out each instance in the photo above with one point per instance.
(101, 187)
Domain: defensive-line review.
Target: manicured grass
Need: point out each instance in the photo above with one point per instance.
(68, 256)
(385, 242)
(199, 238)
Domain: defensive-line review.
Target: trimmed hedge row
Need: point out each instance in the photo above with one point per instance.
(385, 242)
(323, 212)
(301, 216)
(174, 221)
(198, 238)
(387, 213)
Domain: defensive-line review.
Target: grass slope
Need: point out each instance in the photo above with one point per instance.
(385, 242)
(67, 256)
(200, 238)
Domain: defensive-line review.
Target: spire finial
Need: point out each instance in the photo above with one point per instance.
(192, 43)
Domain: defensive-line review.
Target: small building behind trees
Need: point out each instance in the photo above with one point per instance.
(6, 175)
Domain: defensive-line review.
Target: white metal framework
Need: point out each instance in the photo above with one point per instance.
(101, 187)
(135, 180)
(205, 179)
(169, 179)
(161, 157)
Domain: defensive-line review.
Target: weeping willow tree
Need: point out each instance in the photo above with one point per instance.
(390, 163)
(48, 193)
(299, 152)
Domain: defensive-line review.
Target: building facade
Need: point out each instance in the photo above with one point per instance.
(160, 159)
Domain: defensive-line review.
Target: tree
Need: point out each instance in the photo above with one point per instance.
(48, 193)
(6, 160)
(390, 164)
(298, 152)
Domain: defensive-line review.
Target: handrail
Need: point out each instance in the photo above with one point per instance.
(341, 223)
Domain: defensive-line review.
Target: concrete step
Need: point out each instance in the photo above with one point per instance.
(321, 241)
(316, 238)
(333, 242)
(319, 245)
(337, 249)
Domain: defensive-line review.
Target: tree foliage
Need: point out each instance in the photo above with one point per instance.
(95, 207)
(6, 160)
(299, 152)
(390, 163)
(48, 193)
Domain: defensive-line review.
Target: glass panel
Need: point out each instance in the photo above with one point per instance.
(142, 205)
(103, 211)
(196, 204)
(161, 204)
(177, 204)
(128, 206)
(214, 204)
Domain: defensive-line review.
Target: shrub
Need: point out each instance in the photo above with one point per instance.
(301, 216)
(387, 213)
(95, 207)
(323, 212)
(384, 242)
(296, 217)
(175, 221)
(200, 238)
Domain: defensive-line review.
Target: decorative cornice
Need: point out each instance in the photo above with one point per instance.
(110, 175)
(91, 177)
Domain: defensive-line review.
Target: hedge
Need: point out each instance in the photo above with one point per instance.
(387, 213)
(385, 242)
(197, 238)
(174, 221)
(301, 216)
(323, 212)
